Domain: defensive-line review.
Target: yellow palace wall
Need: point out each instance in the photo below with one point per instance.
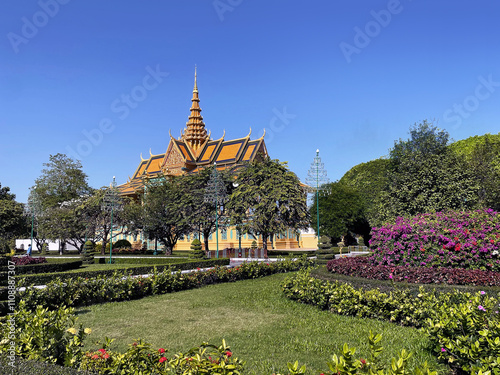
(229, 239)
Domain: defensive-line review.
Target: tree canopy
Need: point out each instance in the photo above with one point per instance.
(342, 212)
(12, 218)
(268, 199)
(424, 175)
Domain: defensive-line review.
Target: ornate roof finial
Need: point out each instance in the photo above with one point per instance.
(195, 133)
(195, 79)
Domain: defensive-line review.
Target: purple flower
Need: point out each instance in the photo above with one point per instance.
(482, 292)
(480, 307)
(443, 350)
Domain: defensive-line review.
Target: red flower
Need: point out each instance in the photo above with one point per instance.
(102, 351)
(362, 361)
(163, 359)
(106, 356)
(474, 243)
(422, 249)
(492, 241)
(229, 354)
(457, 247)
(95, 356)
(161, 350)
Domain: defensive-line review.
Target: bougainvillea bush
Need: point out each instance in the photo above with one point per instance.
(364, 267)
(23, 261)
(466, 239)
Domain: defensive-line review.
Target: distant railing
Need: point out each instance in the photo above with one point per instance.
(236, 253)
(357, 248)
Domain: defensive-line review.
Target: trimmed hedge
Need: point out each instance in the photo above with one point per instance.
(80, 291)
(281, 253)
(148, 261)
(48, 267)
(43, 279)
(364, 267)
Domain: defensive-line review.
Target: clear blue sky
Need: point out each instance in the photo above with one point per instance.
(347, 77)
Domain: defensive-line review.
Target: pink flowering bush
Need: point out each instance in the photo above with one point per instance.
(23, 261)
(452, 239)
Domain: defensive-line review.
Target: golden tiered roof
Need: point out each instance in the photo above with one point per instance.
(195, 133)
(195, 150)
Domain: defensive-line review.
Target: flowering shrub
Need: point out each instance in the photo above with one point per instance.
(83, 291)
(469, 239)
(364, 267)
(464, 328)
(140, 358)
(23, 261)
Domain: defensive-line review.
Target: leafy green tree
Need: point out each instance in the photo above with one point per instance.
(203, 210)
(369, 180)
(485, 165)
(166, 211)
(58, 192)
(342, 211)
(12, 219)
(483, 158)
(268, 200)
(97, 220)
(424, 175)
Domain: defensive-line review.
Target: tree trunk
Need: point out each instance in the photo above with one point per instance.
(205, 240)
(264, 241)
(168, 249)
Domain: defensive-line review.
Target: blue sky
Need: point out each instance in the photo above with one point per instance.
(105, 81)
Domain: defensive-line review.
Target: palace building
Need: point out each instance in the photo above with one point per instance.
(195, 150)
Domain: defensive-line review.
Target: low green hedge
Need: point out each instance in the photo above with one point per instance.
(47, 267)
(162, 260)
(43, 279)
(281, 253)
(80, 291)
(464, 328)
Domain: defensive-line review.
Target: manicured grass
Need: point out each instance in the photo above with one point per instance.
(262, 326)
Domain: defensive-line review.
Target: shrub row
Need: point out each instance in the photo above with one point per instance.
(364, 267)
(46, 278)
(467, 239)
(464, 328)
(158, 260)
(35, 269)
(86, 291)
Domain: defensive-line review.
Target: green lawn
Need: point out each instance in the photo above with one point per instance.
(263, 327)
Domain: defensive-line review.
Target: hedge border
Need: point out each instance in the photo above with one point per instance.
(43, 279)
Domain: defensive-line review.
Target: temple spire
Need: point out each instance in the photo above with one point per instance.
(195, 134)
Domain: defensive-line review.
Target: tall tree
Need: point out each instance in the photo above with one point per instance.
(369, 180)
(424, 175)
(203, 215)
(96, 218)
(342, 211)
(268, 200)
(485, 165)
(58, 190)
(167, 212)
(12, 219)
